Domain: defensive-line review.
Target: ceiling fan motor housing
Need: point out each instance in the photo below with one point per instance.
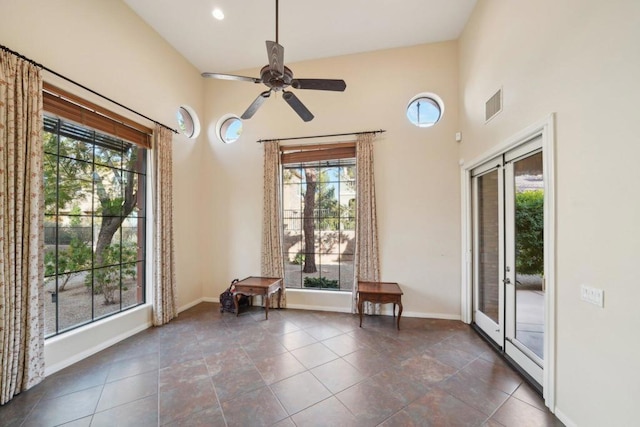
(277, 77)
(273, 80)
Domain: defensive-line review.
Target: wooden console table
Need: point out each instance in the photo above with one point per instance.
(263, 286)
(380, 292)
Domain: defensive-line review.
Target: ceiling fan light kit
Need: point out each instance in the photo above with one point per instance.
(277, 77)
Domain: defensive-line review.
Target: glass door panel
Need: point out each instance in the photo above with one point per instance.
(488, 253)
(529, 245)
(488, 294)
(524, 266)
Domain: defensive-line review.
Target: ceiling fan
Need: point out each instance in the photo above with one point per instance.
(277, 77)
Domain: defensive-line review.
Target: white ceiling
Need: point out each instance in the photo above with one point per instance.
(308, 29)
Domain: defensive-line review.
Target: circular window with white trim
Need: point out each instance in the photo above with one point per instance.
(188, 121)
(229, 128)
(425, 110)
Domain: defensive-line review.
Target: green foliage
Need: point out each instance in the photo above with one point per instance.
(63, 176)
(299, 259)
(327, 203)
(348, 172)
(290, 175)
(107, 280)
(349, 215)
(111, 207)
(75, 172)
(320, 282)
(77, 256)
(529, 225)
(75, 220)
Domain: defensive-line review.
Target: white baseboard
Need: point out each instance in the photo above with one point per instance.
(386, 310)
(565, 419)
(289, 305)
(443, 316)
(319, 308)
(189, 305)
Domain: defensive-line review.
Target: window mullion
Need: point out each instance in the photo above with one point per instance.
(78, 157)
(57, 231)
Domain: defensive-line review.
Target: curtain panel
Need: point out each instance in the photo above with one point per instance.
(164, 276)
(21, 227)
(367, 261)
(272, 262)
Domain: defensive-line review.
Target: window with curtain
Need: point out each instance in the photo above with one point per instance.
(95, 214)
(318, 216)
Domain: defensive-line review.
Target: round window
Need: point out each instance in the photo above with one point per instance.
(188, 122)
(425, 110)
(229, 128)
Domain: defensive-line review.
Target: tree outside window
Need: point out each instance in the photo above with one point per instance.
(319, 224)
(94, 225)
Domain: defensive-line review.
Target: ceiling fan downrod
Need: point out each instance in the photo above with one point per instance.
(277, 78)
(277, 42)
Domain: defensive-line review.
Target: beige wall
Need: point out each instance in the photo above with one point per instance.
(581, 60)
(416, 171)
(218, 188)
(106, 47)
(576, 58)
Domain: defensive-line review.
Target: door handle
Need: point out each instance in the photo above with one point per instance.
(506, 281)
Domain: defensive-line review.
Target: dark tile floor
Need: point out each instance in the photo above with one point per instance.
(299, 368)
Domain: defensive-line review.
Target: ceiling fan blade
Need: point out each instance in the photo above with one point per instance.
(319, 84)
(276, 58)
(231, 77)
(297, 106)
(255, 105)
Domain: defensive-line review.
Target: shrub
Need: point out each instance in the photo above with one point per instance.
(530, 232)
(71, 260)
(299, 259)
(320, 282)
(122, 266)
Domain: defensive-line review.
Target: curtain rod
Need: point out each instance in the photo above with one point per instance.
(321, 136)
(13, 52)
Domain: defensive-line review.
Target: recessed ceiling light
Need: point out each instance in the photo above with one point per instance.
(218, 14)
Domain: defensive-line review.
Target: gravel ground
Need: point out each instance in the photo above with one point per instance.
(77, 306)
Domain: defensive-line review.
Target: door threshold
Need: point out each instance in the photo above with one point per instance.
(500, 352)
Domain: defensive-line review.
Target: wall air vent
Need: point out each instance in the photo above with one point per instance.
(493, 106)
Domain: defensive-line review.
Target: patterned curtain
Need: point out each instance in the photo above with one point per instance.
(164, 276)
(21, 227)
(272, 263)
(367, 262)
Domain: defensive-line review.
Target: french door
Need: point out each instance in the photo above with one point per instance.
(488, 262)
(508, 254)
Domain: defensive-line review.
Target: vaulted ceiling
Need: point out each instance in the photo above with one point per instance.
(307, 29)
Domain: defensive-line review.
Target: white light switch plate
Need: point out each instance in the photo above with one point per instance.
(592, 295)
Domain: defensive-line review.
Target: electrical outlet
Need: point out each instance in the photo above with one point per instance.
(592, 295)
